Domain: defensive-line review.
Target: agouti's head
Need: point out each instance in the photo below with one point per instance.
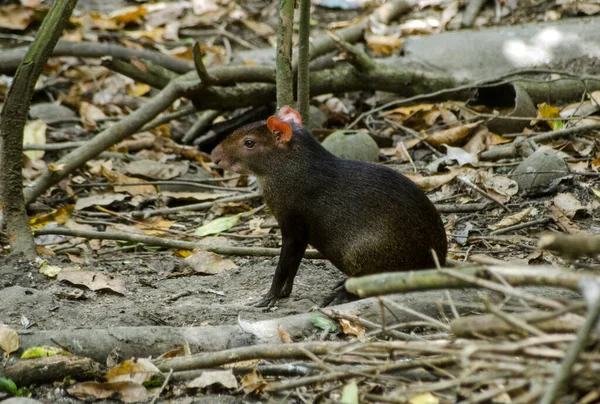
(253, 148)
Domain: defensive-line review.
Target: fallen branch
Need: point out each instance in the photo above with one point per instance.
(400, 282)
(168, 243)
(490, 324)
(571, 246)
(145, 341)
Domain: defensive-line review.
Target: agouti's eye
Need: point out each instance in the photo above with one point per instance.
(249, 143)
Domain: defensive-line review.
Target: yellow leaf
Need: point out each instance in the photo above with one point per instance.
(59, 216)
(548, 111)
(425, 398)
(42, 351)
(138, 89)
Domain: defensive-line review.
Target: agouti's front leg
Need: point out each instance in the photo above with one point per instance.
(294, 243)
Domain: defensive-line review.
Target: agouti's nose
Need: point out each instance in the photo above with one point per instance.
(216, 155)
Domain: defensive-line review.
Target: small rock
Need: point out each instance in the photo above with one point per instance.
(21, 400)
(47, 111)
(540, 172)
(317, 117)
(354, 146)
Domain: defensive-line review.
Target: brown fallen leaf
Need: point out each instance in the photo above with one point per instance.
(512, 219)
(93, 280)
(431, 182)
(253, 382)
(126, 391)
(452, 136)
(117, 177)
(384, 44)
(563, 221)
(16, 17)
(90, 114)
(568, 204)
(284, 336)
(223, 377)
(136, 371)
(209, 263)
(104, 199)
(352, 328)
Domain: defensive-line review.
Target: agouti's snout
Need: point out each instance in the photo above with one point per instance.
(217, 156)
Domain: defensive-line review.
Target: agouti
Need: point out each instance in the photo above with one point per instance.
(363, 217)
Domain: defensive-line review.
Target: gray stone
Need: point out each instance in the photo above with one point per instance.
(352, 146)
(540, 172)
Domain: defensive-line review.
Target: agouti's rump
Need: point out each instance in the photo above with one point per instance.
(365, 218)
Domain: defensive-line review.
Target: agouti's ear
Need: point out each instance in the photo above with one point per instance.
(286, 113)
(280, 129)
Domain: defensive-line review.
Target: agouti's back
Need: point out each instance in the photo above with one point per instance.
(365, 218)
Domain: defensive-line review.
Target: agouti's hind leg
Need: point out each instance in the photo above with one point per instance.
(339, 295)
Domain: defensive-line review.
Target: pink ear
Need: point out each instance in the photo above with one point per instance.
(282, 130)
(286, 113)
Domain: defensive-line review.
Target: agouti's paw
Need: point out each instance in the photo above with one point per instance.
(267, 301)
(338, 297)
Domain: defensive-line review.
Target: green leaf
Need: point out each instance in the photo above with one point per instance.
(324, 323)
(8, 386)
(218, 225)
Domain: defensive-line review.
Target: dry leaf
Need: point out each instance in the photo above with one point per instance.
(16, 17)
(90, 114)
(93, 280)
(383, 44)
(568, 204)
(452, 136)
(133, 370)
(156, 170)
(223, 377)
(9, 340)
(253, 382)
(100, 199)
(352, 328)
(449, 13)
(258, 27)
(512, 219)
(499, 184)
(117, 177)
(461, 156)
(209, 263)
(125, 391)
(34, 133)
(563, 221)
(431, 182)
(284, 336)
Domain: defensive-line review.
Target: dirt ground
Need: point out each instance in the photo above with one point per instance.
(31, 300)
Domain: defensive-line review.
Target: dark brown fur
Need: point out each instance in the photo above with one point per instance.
(365, 218)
